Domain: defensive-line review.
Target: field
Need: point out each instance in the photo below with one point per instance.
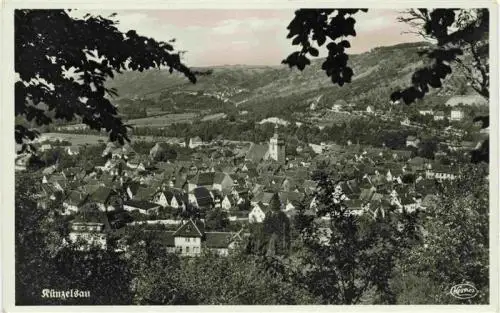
(82, 140)
(213, 117)
(163, 120)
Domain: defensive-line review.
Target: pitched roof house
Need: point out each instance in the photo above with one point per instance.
(201, 197)
(74, 200)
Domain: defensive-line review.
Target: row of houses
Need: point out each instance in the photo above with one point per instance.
(455, 114)
(94, 228)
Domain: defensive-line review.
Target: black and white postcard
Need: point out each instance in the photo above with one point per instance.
(236, 154)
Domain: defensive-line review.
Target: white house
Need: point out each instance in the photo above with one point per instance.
(161, 198)
(227, 203)
(257, 214)
(426, 112)
(88, 233)
(195, 142)
(190, 239)
(456, 115)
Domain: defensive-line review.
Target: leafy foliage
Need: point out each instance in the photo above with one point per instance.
(453, 32)
(63, 63)
(216, 220)
(455, 246)
(318, 25)
(349, 255)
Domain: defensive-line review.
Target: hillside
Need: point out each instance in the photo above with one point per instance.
(376, 74)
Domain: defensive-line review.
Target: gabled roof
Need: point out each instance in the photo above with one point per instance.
(49, 189)
(76, 198)
(203, 196)
(290, 196)
(366, 194)
(101, 195)
(57, 177)
(165, 238)
(256, 152)
(264, 197)
(196, 139)
(219, 178)
(90, 188)
(93, 216)
(144, 193)
(190, 229)
(205, 179)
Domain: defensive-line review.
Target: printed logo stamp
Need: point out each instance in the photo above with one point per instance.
(463, 291)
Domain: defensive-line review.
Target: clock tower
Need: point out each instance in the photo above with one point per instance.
(277, 147)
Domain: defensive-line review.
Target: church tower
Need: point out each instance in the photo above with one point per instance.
(277, 147)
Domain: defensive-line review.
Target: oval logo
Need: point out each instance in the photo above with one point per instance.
(463, 291)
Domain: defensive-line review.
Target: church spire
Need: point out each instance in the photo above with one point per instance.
(276, 130)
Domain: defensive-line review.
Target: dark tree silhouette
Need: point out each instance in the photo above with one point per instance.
(49, 43)
(462, 39)
(316, 26)
(347, 256)
(457, 34)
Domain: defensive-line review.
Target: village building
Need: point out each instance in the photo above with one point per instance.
(426, 112)
(274, 150)
(104, 198)
(190, 239)
(456, 114)
(412, 141)
(74, 201)
(195, 142)
(277, 147)
(258, 213)
(200, 197)
(439, 116)
(93, 228)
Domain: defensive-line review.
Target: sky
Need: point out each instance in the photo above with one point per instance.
(247, 36)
